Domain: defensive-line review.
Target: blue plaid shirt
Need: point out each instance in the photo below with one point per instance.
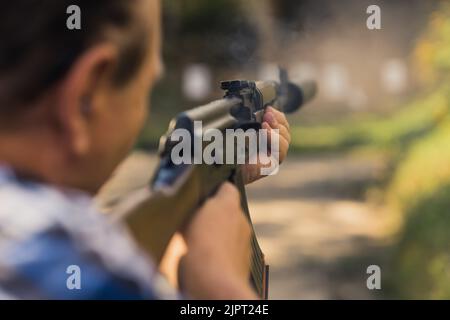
(47, 233)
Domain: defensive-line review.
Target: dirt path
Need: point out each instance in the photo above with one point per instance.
(316, 228)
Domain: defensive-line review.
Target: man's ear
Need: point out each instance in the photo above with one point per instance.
(87, 80)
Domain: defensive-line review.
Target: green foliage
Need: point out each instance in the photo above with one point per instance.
(422, 259)
(424, 170)
(420, 190)
(420, 187)
(203, 16)
(432, 53)
(380, 132)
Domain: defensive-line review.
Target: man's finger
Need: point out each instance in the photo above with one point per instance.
(283, 143)
(279, 116)
(283, 131)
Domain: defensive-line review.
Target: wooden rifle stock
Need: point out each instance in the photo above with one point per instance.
(154, 216)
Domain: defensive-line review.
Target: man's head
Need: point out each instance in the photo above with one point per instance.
(72, 102)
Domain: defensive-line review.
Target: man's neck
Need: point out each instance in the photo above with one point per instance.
(29, 155)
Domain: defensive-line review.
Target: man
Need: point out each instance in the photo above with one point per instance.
(71, 106)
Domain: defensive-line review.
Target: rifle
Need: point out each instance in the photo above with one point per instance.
(156, 212)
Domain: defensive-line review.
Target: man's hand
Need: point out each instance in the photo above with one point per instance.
(273, 119)
(217, 262)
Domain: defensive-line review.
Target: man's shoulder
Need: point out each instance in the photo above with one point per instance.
(46, 234)
(29, 208)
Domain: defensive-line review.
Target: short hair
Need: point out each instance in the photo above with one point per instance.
(37, 48)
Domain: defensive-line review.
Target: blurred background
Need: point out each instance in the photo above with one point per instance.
(367, 181)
